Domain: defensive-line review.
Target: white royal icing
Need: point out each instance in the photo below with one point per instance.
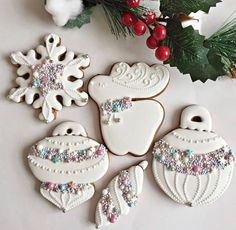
(52, 161)
(38, 88)
(131, 128)
(200, 188)
(114, 202)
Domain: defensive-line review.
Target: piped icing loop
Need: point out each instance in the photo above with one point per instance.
(186, 161)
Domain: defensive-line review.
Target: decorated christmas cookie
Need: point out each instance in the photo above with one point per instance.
(66, 164)
(49, 77)
(129, 118)
(192, 164)
(120, 195)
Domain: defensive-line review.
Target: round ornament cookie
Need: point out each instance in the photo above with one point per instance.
(129, 117)
(120, 195)
(49, 77)
(67, 164)
(192, 164)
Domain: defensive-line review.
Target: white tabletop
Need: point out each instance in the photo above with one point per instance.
(23, 24)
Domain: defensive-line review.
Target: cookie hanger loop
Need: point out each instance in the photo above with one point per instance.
(69, 128)
(196, 117)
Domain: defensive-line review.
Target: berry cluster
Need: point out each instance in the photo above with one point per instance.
(139, 26)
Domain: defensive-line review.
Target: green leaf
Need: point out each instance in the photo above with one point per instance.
(81, 19)
(189, 55)
(171, 7)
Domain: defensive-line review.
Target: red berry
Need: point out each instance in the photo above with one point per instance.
(150, 18)
(139, 28)
(127, 19)
(152, 43)
(162, 53)
(159, 32)
(133, 3)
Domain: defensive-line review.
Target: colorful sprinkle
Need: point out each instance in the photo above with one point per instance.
(108, 207)
(116, 106)
(46, 77)
(190, 163)
(66, 156)
(71, 187)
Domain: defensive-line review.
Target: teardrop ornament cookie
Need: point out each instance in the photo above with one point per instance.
(67, 163)
(192, 164)
(120, 195)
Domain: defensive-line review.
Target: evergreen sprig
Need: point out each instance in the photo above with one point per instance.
(190, 52)
(223, 44)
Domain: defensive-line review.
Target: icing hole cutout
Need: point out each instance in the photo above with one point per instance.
(196, 119)
(38, 56)
(62, 57)
(51, 40)
(26, 76)
(69, 131)
(36, 96)
(59, 99)
(71, 78)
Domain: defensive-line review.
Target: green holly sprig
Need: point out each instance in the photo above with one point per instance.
(203, 58)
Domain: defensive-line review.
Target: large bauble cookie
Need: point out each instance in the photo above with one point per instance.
(67, 164)
(129, 117)
(192, 164)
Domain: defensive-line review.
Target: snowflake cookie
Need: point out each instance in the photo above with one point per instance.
(49, 77)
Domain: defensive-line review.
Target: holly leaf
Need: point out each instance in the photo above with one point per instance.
(189, 55)
(171, 7)
(81, 19)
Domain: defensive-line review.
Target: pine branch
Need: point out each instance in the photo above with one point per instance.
(223, 43)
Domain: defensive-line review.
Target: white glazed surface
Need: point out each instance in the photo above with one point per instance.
(84, 172)
(136, 178)
(49, 104)
(23, 23)
(188, 189)
(67, 201)
(135, 131)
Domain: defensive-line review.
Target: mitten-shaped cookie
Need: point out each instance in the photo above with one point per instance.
(192, 164)
(66, 164)
(120, 195)
(129, 118)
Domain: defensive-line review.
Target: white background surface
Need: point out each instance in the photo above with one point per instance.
(23, 24)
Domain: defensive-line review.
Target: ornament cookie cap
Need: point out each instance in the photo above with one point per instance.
(45, 77)
(67, 163)
(192, 164)
(122, 97)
